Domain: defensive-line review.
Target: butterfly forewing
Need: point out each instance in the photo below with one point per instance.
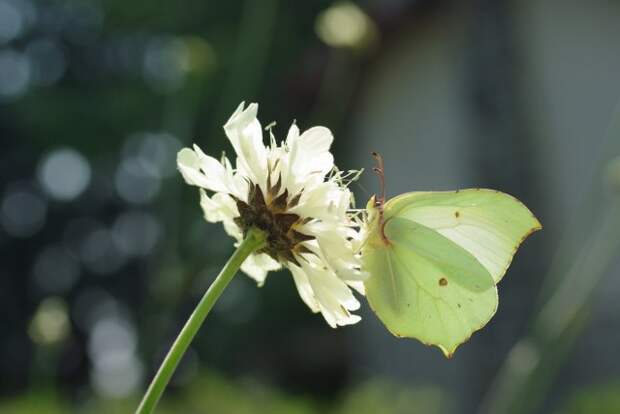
(488, 224)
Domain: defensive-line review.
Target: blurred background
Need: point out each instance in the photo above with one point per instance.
(104, 251)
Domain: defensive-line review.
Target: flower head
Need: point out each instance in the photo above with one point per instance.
(293, 192)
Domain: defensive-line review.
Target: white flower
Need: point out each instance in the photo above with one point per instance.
(293, 192)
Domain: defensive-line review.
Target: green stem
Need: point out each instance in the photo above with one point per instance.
(255, 240)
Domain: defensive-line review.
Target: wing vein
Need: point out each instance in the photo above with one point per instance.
(392, 276)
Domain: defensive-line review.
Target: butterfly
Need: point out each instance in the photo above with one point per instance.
(435, 258)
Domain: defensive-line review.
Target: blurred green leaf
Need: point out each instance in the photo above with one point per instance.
(601, 399)
(216, 394)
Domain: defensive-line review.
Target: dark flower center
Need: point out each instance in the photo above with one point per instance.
(269, 213)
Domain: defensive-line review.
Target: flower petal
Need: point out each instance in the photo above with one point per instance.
(246, 136)
(333, 247)
(221, 207)
(333, 296)
(326, 201)
(204, 171)
(258, 265)
(311, 152)
(304, 288)
(189, 166)
(358, 285)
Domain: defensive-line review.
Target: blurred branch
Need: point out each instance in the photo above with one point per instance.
(248, 67)
(525, 377)
(337, 89)
(243, 80)
(589, 208)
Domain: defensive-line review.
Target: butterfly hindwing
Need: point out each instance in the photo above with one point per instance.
(424, 286)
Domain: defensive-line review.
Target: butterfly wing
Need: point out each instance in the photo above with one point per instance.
(424, 286)
(433, 275)
(489, 224)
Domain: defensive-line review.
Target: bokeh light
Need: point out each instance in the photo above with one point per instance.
(48, 61)
(136, 182)
(154, 151)
(55, 270)
(344, 24)
(99, 252)
(136, 233)
(15, 74)
(112, 349)
(22, 211)
(166, 62)
(64, 174)
(93, 304)
(50, 323)
(169, 60)
(11, 22)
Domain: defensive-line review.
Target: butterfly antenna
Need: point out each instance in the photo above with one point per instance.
(379, 170)
(380, 200)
